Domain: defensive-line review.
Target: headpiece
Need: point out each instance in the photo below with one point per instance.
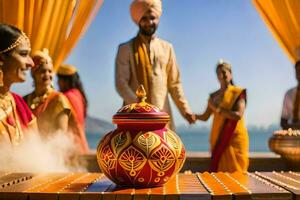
(40, 58)
(139, 7)
(224, 63)
(16, 43)
(66, 70)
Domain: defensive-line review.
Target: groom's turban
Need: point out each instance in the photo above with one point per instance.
(139, 7)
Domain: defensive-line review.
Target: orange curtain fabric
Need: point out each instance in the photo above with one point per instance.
(283, 19)
(53, 24)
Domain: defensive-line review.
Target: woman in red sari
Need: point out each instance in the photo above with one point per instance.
(71, 86)
(15, 60)
(229, 137)
(51, 107)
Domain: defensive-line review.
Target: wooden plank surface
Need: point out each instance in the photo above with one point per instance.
(4, 173)
(288, 180)
(8, 179)
(98, 189)
(52, 189)
(73, 190)
(258, 188)
(199, 186)
(234, 185)
(191, 188)
(183, 187)
(241, 186)
(22, 190)
(217, 190)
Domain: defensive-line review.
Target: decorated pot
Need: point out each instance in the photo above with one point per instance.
(141, 151)
(286, 143)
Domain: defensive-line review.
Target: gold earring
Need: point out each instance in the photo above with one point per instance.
(1, 78)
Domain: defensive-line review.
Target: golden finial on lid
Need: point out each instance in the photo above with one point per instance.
(141, 93)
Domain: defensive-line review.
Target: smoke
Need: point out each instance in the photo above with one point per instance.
(34, 154)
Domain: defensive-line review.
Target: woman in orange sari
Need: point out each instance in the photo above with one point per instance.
(51, 108)
(71, 86)
(15, 60)
(229, 140)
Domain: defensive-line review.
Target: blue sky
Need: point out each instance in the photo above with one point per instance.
(202, 32)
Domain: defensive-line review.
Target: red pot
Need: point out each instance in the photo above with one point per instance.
(141, 151)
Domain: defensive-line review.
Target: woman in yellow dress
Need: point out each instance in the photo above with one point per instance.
(51, 107)
(71, 86)
(229, 140)
(15, 60)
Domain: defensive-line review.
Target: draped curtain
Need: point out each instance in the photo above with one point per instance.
(283, 19)
(53, 24)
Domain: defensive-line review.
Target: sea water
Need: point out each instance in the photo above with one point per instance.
(198, 140)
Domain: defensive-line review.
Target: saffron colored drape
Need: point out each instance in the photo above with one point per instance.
(53, 24)
(283, 19)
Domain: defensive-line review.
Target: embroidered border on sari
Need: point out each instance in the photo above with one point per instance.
(225, 136)
(24, 113)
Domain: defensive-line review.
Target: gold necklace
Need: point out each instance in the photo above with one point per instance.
(5, 100)
(38, 100)
(7, 106)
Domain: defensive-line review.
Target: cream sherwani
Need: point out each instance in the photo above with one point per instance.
(165, 78)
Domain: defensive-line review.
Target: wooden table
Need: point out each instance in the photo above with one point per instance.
(197, 186)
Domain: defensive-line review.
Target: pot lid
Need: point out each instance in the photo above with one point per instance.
(140, 112)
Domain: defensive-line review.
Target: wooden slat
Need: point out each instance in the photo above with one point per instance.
(287, 180)
(199, 186)
(190, 187)
(10, 180)
(171, 190)
(73, 190)
(82, 183)
(157, 193)
(215, 188)
(20, 191)
(100, 189)
(50, 191)
(142, 194)
(185, 187)
(234, 186)
(262, 189)
(90, 196)
(4, 173)
(14, 178)
(123, 193)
